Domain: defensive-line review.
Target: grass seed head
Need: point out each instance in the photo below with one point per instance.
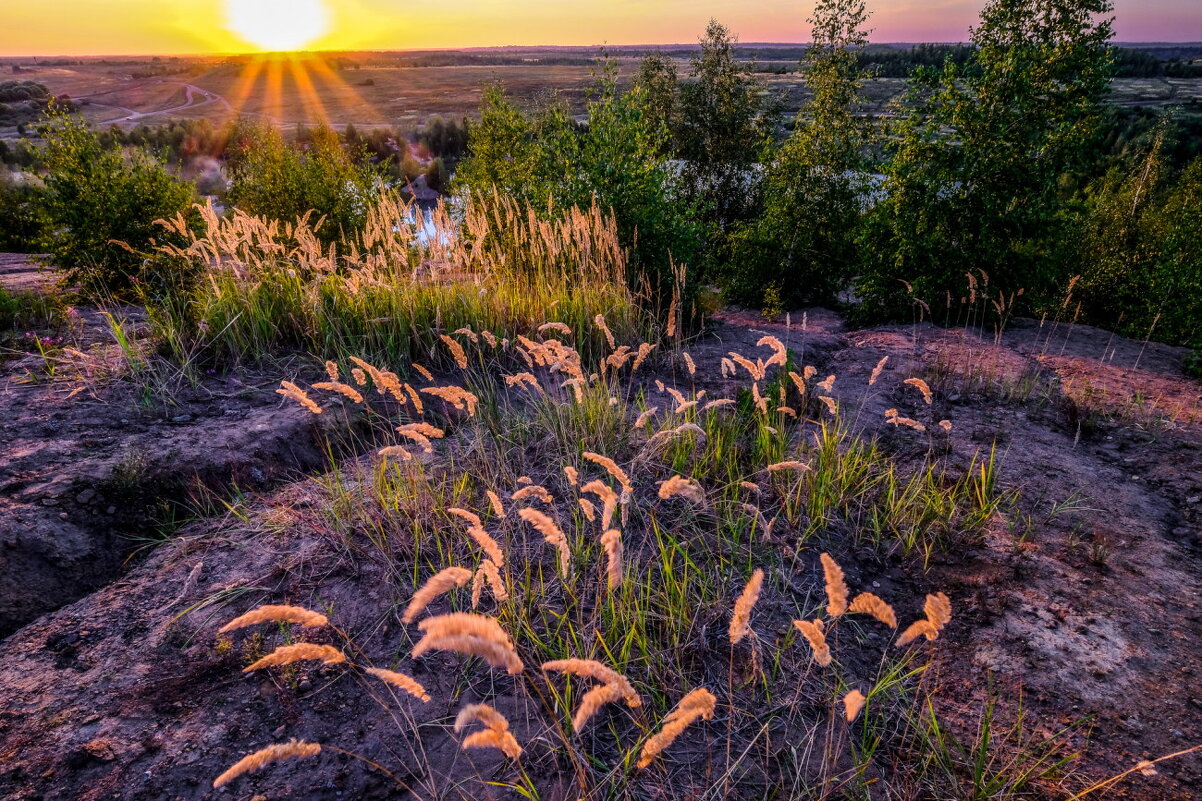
(740, 620)
(440, 583)
(296, 749)
(836, 588)
(275, 614)
(300, 652)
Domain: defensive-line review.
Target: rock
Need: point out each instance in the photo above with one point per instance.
(85, 496)
(183, 418)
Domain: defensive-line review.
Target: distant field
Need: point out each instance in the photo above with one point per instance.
(379, 89)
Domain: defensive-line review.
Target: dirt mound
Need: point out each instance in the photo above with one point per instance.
(1085, 600)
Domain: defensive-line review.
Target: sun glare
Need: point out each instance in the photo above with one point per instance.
(276, 25)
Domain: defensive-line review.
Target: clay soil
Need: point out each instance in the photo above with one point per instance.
(1083, 601)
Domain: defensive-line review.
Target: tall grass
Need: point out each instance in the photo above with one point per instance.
(267, 286)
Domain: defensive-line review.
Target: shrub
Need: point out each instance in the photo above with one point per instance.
(1141, 252)
(273, 178)
(22, 219)
(102, 206)
(974, 179)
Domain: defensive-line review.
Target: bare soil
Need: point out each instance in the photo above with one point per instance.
(1084, 601)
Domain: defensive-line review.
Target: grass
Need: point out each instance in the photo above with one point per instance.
(685, 561)
(392, 291)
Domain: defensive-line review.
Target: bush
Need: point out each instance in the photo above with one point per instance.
(22, 219)
(19, 91)
(272, 178)
(102, 206)
(1141, 252)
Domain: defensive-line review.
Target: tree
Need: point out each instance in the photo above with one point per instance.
(803, 245)
(661, 86)
(272, 178)
(102, 206)
(726, 123)
(973, 182)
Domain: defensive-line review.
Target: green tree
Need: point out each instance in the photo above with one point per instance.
(1141, 251)
(283, 181)
(727, 120)
(974, 179)
(802, 247)
(22, 218)
(102, 206)
(661, 86)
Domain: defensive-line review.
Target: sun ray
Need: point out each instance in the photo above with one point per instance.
(314, 107)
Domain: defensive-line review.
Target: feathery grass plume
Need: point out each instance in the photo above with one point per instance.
(700, 703)
(496, 733)
(441, 582)
(644, 351)
(469, 333)
(617, 360)
(780, 354)
(487, 544)
(590, 511)
(572, 474)
(740, 620)
(780, 466)
(809, 372)
(677, 395)
(892, 417)
(472, 518)
(525, 378)
(946, 425)
(870, 604)
(425, 429)
(417, 399)
(610, 467)
(359, 376)
(287, 654)
(751, 486)
(490, 338)
(420, 439)
(798, 382)
(813, 632)
(395, 451)
(728, 367)
(789, 410)
(477, 587)
(332, 370)
(406, 683)
(922, 387)
(296, 749)
(827, 384)
(577, 386)
(525, 480)
(495, 500)
(831, 405)
(390, 382)
(591, 703)
(836, 588)
(290, 390)
(659, 385)
(611, 541)
(689, 364)
(599, 321)
(275, 614)
(876, 371)
(560, 327)
(458, 397)
(456, 350)
(643, 418)
(423, 372)
(342, 389)
(609, 500)
(685, 487)
(496, 582)
(552, 534)
(716, 404)
(853, 702)
(938, 609)
(474, 635)
(533, 491)
(751, 367)
(596, 670)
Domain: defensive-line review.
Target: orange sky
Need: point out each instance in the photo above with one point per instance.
(71, 27)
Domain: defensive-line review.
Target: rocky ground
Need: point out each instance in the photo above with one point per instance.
(114, 684)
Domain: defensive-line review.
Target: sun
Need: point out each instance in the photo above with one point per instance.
(277, 25)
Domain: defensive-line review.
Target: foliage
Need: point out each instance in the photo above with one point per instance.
(802, 245)
(613, 160)
(18, 91)
(973, 182)
(273, 178)
(22, 219)
(102, 205)
(726, 122)
(1141, 252)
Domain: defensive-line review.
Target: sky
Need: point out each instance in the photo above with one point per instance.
(163, 27)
